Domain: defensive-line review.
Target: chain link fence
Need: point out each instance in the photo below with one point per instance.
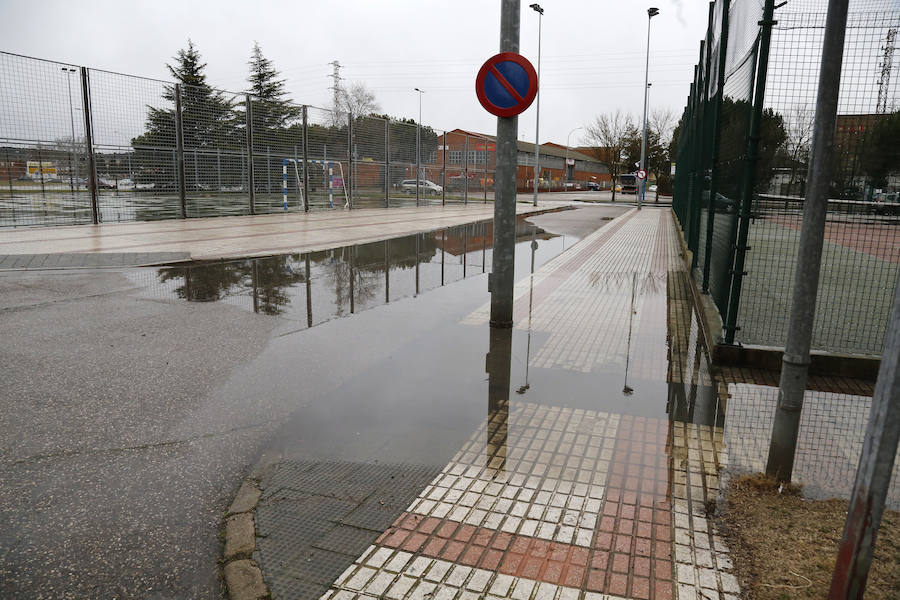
(81, 145)
(739, 191)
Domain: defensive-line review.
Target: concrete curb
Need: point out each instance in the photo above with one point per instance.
(242, 574)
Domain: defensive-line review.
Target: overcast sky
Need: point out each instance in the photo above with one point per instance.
(592, 50)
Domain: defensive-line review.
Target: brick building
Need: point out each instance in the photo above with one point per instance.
(473, 155)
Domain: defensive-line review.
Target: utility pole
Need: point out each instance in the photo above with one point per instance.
(336, 88)
(795, 361)
(537, 125)
(503, 268)
(651, 12)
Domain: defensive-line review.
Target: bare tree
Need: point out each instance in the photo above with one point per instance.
(610, 134)
(355, 101)
(662, 123)
(797, 144)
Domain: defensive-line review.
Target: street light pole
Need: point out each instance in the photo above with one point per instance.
(537, 127)
(651, 12)
(419, 147)
(72, 179)
(567, 151)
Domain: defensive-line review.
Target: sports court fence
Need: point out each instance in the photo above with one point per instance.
(80, 145)
(743, 148)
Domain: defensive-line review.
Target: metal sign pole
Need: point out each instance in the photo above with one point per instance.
(503, 268)
(795, 361)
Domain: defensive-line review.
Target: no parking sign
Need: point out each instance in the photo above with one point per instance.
(506, 84)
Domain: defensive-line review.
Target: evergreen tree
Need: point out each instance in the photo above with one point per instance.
(273, 109)
(207, 120)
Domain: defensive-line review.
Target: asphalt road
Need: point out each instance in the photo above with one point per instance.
(112, 485)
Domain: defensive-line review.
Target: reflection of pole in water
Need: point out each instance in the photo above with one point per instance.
(534, 246)
(254, 279)
(627, 390)
(498, 369)
(309, 319)
(351, 255)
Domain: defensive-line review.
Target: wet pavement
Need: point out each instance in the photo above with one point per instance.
(403, 448)
(136, 414)
(240, 236)
(577, 455)
(569, 487)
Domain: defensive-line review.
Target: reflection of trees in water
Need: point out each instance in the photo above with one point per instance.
(264, 279)
(206, 283)
(270, 278)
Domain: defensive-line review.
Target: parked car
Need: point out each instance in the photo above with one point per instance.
(409, 186)
(652, 188)
(593, 186)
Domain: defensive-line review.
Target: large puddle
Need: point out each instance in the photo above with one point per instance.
(316, 287)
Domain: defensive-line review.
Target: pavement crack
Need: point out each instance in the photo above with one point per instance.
(121, 449)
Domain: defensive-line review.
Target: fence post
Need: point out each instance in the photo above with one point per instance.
(748, 178)
(717, 135)
(387, 163)
(444, 171)
(795, 361)
(466, 172)
(179, 153)
(696, 198)
(873, 475)
(305, 170)
(348, 177)
(88, 144)
(251, 171)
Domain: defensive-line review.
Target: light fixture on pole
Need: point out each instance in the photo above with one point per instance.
(73, 164)
(567, 151)
(651, 12)
(537, 127)
(419, 177)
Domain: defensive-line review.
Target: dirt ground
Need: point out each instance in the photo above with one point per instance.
(784, 547)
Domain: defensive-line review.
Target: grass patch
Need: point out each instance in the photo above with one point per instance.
(784, 547)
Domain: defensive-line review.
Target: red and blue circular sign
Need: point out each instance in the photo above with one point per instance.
(506, 84)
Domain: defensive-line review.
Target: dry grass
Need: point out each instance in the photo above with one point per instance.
(784, 547)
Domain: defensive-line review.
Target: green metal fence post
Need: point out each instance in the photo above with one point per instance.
(748, 178)
(696, 172)
(717, 139)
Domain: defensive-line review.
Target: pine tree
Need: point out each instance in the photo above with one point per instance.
(207, 119)
(273, 109)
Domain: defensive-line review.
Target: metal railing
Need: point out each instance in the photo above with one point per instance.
(739, 191)
(81, 145)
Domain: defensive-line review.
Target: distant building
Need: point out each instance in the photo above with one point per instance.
(472, 156)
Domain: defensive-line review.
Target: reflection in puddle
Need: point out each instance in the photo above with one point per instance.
(315, 287)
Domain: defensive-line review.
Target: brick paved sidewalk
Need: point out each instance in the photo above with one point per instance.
(546, 501)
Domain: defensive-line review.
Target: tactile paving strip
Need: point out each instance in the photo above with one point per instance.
(316, 517)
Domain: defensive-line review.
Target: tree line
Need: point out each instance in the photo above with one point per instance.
(866, 152)
(214, 126)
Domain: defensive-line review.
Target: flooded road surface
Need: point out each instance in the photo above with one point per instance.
(403, 448)
(132, 415)
(558, 449)
(315, 287)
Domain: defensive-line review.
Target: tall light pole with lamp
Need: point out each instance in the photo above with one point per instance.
(72, 178)
(651, 12)
(419, 177)
(567, 151)
(537, 127)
